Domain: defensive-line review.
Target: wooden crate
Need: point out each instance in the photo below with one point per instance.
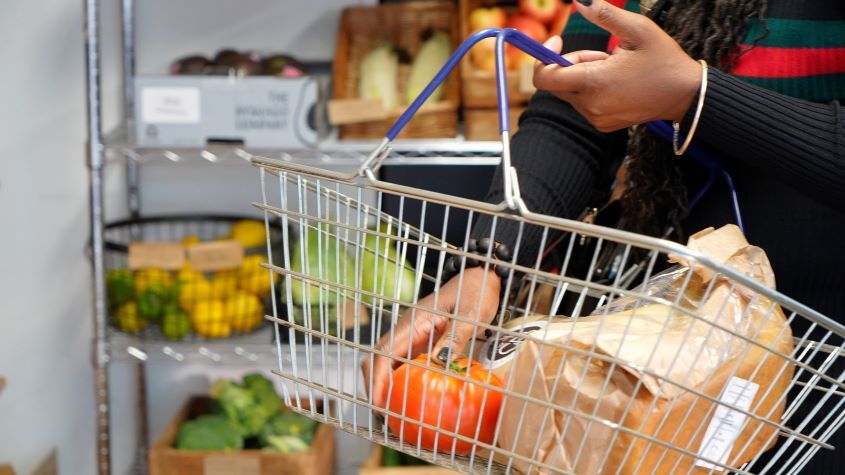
(373, 466)
(166, 460)
(483, 124)
(361, 28)
(478, 86)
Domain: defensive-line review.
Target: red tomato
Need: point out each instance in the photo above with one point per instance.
(426, 389)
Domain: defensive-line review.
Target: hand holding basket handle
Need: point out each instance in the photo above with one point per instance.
(586, 79)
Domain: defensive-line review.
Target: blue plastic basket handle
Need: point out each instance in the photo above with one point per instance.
(546, 56)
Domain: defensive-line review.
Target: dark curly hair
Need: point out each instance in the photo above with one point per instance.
(712, 30)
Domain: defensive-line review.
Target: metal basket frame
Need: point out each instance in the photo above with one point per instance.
(811, 357)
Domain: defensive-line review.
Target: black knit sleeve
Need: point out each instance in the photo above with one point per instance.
(801, 143)
(559, 158)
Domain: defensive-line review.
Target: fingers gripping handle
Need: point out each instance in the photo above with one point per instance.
(546, 56)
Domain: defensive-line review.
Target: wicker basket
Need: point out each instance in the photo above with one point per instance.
(402, 25)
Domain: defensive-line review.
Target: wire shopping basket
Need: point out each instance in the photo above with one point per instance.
(695, 367)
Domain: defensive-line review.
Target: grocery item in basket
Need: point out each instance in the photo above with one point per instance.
(175, 324)
(379, 266)
(208, 318)
(255, 279)
(127, 318)
(320, 256)
(244, 311)
(666, 358)
(468, 409)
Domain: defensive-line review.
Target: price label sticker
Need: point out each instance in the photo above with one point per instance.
(161, 255)
(170, 105)
(227, 465)
(214, 256)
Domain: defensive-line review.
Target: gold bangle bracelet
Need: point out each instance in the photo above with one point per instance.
(677, 127)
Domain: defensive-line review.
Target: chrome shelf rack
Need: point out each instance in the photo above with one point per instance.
(116, 148)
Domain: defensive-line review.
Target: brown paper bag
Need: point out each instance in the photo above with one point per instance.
(626, 377)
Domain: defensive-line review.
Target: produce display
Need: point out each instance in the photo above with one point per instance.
(241, 63)
(323, 257)
(247, 415)
(538, 19)
(381, 69)
(450, 404)
(211, 304)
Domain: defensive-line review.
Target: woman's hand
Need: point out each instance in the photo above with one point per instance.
(479, 299)
(647, 77)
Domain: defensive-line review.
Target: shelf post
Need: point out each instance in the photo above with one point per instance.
(95, 159)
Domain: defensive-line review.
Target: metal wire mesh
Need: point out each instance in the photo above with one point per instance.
(639, 367)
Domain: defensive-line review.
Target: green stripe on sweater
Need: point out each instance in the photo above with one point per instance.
(822, 88)
(789, 33)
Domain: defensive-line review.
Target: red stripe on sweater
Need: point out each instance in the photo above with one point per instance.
(771, 62)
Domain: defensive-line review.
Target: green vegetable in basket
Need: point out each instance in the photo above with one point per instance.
(127, 318)
(175, 324)
(327, 260)
(152, 301)
(119, 286)
(380, 266)
(209, 432)
(279, 432)
(242, 407)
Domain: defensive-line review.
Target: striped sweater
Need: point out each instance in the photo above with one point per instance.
(802, 55)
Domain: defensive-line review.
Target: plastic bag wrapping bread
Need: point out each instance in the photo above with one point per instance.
(698, 334)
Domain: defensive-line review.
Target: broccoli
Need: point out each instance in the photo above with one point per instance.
(286, 443)
(284, 425)
(242, 406)
(264, 392)
(210, 432)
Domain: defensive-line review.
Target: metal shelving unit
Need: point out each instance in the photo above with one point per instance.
(116, 148)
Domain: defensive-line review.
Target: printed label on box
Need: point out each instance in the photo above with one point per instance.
(161, 255)
(170, 105)
(214, 256)
(726, 423)
(223, 465)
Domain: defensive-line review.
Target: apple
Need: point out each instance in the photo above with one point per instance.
(531, 28)
(482, 54)
(562, 18)
(481, 18)
(544, 11)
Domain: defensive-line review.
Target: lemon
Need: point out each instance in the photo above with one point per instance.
(224, 284)
(186, 274)
(194, 292)
(208, 317)
(253, 278)
(249, 232)
(145, 277)
(128, 319)
(244, 311)
(192, 239)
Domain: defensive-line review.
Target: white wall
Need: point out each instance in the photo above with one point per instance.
(44, 274)
(45, 286)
